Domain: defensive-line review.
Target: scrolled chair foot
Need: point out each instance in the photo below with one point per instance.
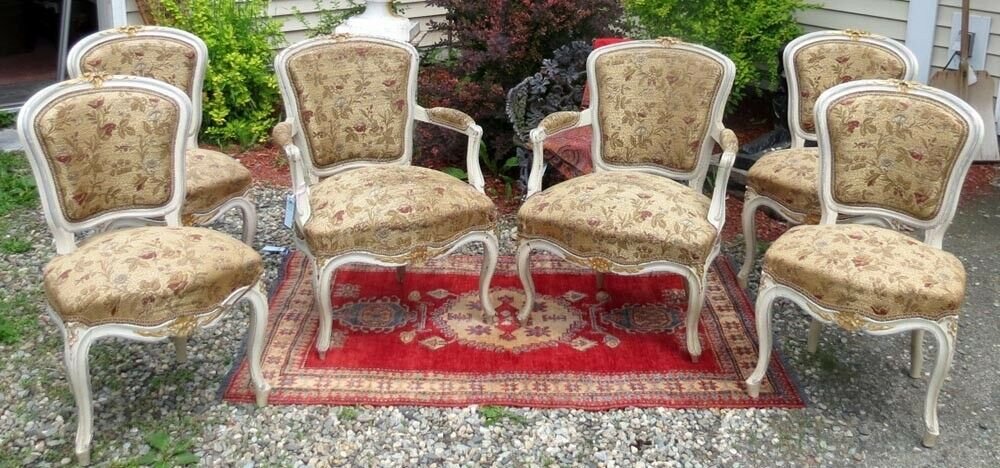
(83, 458)
(322, 355)
(262, 396)
(753, 389)
(930, 440)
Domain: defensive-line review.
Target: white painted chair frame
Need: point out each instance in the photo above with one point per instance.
(244, 203)
(79, 337)
(695, 179)
(753, 200)
(944, 330)
(306, 173)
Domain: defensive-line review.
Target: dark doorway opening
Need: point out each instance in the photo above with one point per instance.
(29, 44)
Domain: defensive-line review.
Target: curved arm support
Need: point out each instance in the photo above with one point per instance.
(552, 124)
(283, 136)
(461, 122)
(730, 146)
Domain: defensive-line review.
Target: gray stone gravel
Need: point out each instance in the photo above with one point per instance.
(862, 406)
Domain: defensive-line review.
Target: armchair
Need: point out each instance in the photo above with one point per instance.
(351, 106)
(656, 113)
(111, 148)
(215, 182)
(907, 165)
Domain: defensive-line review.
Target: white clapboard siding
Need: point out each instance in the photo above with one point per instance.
(295, 30)
(888, 18)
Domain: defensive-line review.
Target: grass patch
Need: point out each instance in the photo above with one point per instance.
(348, 413)
(17, 319)
(17, 185)
(494, 414)
(15, 245)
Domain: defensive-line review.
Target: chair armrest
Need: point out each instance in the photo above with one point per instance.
(283, 135)
(459, 121)
(552, 124)
(730, 146)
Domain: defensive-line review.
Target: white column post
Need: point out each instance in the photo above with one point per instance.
(920, 24)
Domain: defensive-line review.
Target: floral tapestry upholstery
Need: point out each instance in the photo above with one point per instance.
(109, 149)
(654, 105)
(790, 177)
(894, 151)
(823, 65)
(568, 153)
(160, 58)
(147, 276)
(626, 217)
(877, 273)
(393, 210)
(352, 100)
(212, 178)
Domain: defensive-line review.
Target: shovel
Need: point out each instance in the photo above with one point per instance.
(976, 88)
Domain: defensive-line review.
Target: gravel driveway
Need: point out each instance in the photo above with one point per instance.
(861, 405)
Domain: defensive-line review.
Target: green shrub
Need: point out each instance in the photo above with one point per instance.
(241, 93)
(750, 32)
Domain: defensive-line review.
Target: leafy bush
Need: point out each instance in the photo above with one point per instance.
(495, 44)
(557, 87)
(17, 185)
(750, 32)
(241, 92)
(7, 119)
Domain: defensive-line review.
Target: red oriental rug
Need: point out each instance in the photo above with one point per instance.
(422, 341)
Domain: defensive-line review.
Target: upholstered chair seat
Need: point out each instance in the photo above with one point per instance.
(790, 177)
(392, 210)
(148, 276)
(212, 179)
(870, 271)
(629, 218)
(216, 183)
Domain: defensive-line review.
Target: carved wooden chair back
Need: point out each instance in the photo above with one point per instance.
(817, 61)
(897, 150)
(170, 55)
(106, 148)
(656, 105)
(353, 99)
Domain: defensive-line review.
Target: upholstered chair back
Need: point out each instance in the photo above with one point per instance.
(105, 148)
(818, 61)
(166, 54)
(655, 105)
(354, 98)
(894, 149)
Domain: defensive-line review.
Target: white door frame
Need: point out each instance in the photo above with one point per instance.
(111, 14)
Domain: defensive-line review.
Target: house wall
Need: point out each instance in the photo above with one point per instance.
(295, 30)
(888, 17)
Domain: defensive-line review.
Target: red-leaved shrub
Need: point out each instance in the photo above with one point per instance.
(490, 46)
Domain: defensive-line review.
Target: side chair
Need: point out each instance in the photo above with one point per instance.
(656, 113)
(351, 107)
(787, 181)
(897, 150)
(215, 182)
(112, 148)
